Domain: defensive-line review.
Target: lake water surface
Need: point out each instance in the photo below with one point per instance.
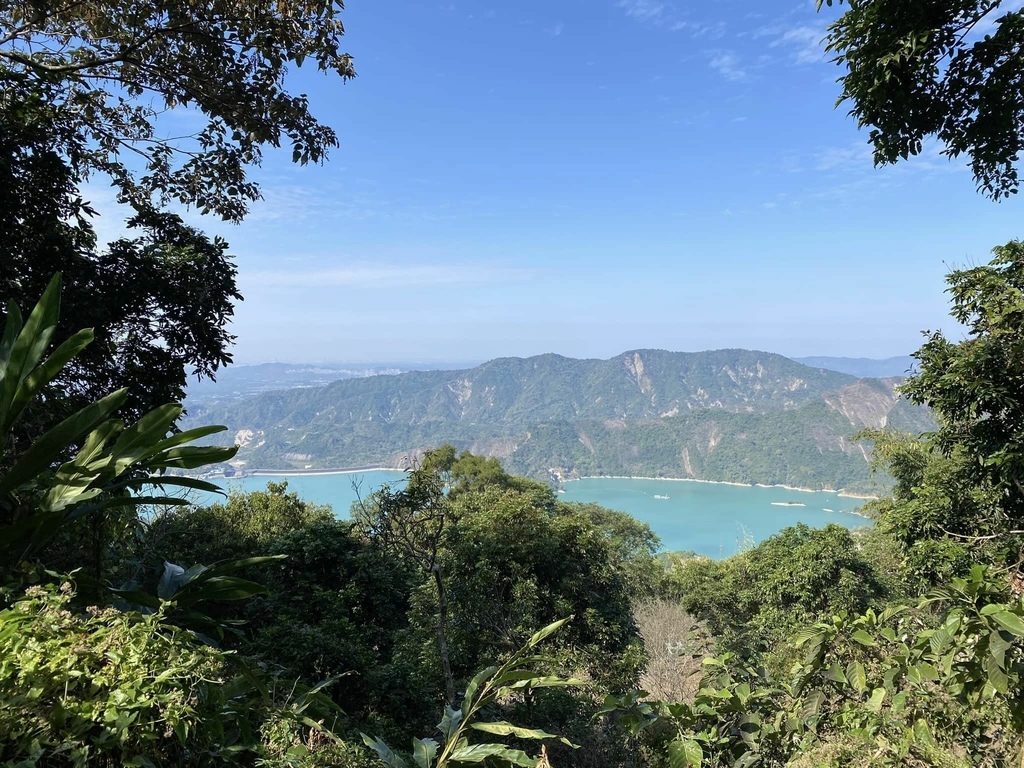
(712, 519)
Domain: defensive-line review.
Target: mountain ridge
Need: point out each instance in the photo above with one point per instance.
(732, 414)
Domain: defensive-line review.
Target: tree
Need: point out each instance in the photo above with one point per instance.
(940, 515)
(245, 525)
(411, 523)
(753, 601)
(959, 496)
(159, 303)
(949, 70)
(102, 72)
(514, 564)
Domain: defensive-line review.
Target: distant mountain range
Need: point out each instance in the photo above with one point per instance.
(237, 382)
(863, 367)
(732, 415)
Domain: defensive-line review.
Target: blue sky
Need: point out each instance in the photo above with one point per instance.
(590, 177)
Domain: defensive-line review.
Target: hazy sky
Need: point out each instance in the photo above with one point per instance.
(590, 176)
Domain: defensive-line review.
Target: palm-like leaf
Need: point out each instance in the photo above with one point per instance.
(486, 687)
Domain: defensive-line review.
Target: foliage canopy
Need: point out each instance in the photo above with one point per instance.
(103, 73)
(949, 70)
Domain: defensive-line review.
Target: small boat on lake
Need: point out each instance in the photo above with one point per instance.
(659, 496)
(788, 504)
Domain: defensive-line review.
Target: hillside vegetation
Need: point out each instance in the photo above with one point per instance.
(730, 415)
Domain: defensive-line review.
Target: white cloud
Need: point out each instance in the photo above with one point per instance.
(804, 42)
(644, 10)
(555, 31)
(852, 158)
(710, 30)
(728, 65)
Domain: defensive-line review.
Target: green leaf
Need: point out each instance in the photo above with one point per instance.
(49, 368)
(857, 676)
(193, 483)
(188, 436)
(48, 449)
(12, 327)
(545, 682)
(549, 630)
(1009, 621)
(996, 674)
(474, 685)
(424, 751)
(449, 724)
(507, 729)
(811, 708)
(835, 674)
(386, 754)
(685, 753)
(24, 354)
(140, 439)
(480, 752)
(939, 641)
(875, 702)
(191, 457)
(863, 638)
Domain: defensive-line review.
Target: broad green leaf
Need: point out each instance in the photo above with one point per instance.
(1009, 621)
(449, 724)
(188, 436)
(923, 734)
(807, 633)
(193, 483)
(139, 441)
(191, 457)
(939, 641)
(811, 707)
(863, 638)
(227, 566)
(218, 588)
(27, 350)
(49, 368)
(507, 729)
(474, 685)
(685, 753)
(877, 698)
(509, 677)
(386, 754)
(835, 674)
(857, 676)
(12, 327)
(480, 752)
(549, 630)
(423, 752)
(996, 674)
(545, 682)
(45, 451)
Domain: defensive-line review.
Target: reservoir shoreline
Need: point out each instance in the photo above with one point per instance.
(357, 470)
(839, 492)
(713, 519)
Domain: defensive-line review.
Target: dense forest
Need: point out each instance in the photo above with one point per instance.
(467, 616)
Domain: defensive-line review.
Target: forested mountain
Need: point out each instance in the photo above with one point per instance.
(733, 415)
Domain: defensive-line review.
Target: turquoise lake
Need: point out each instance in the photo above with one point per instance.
(711, 519)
